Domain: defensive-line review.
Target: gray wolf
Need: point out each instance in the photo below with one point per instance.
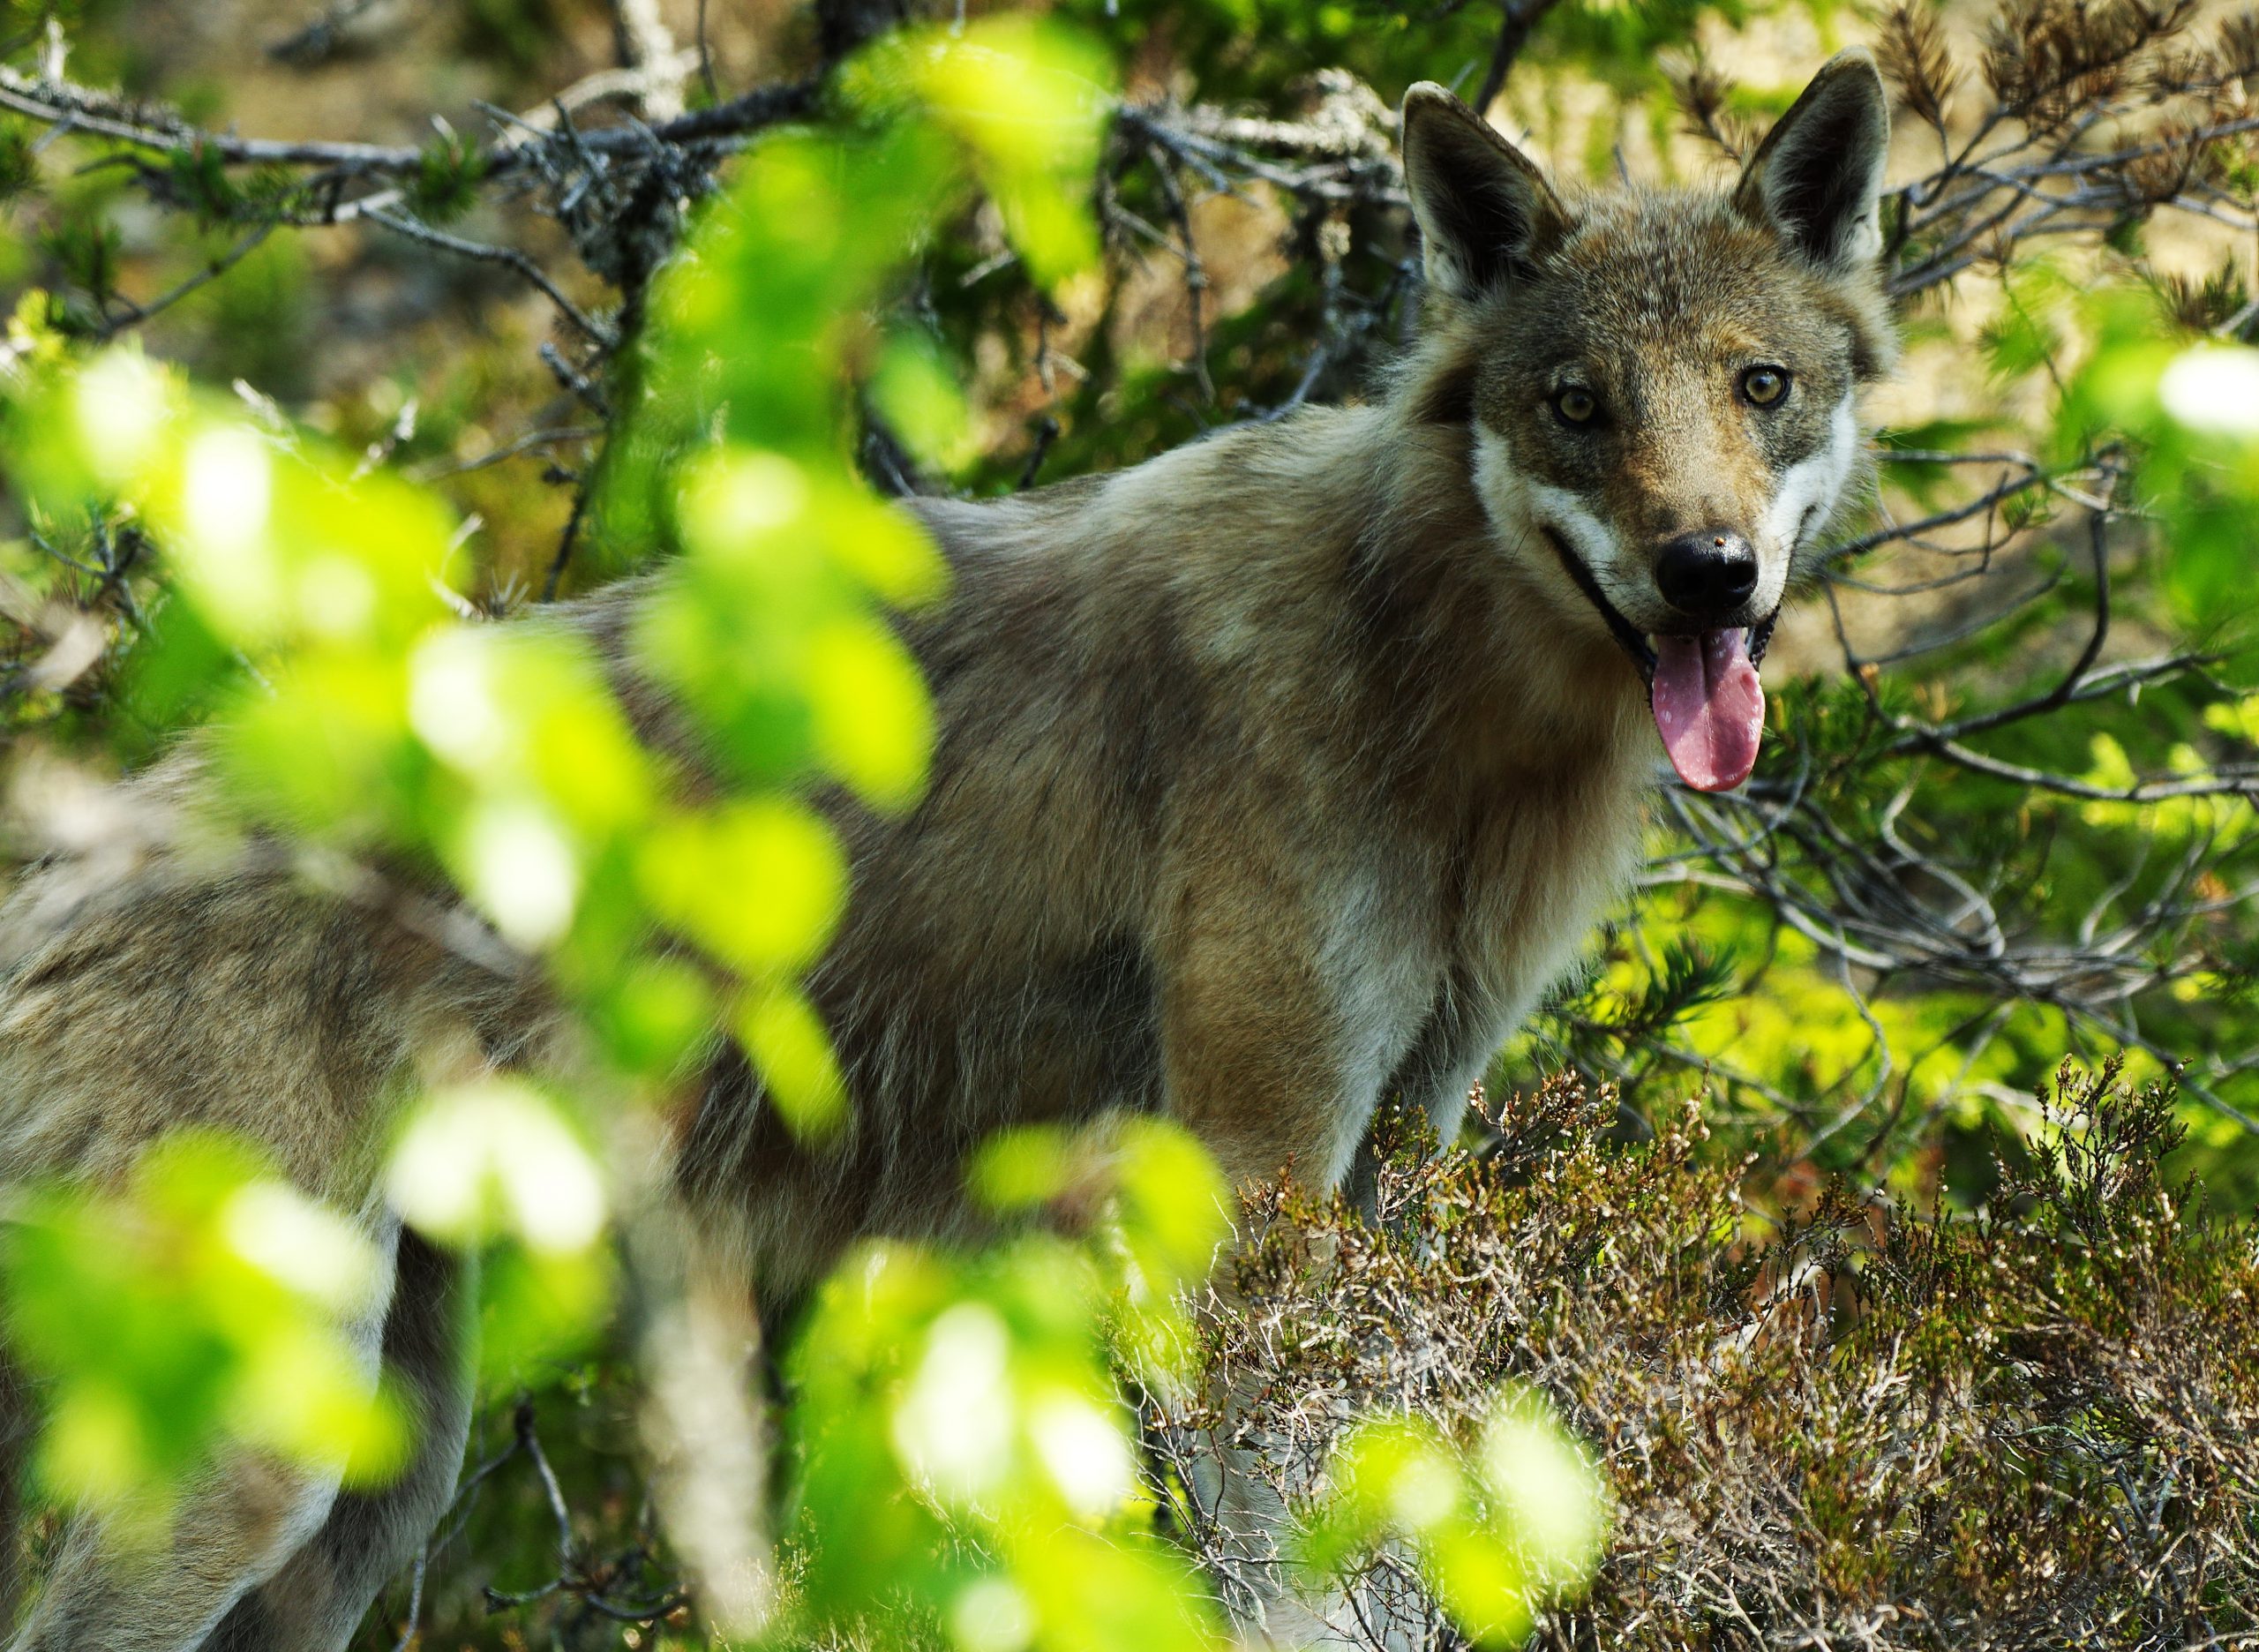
(1277, 775)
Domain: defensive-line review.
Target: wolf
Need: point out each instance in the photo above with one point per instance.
(1276, 776)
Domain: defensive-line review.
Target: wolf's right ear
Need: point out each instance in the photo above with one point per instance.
(1818, 175)
(1484, 209)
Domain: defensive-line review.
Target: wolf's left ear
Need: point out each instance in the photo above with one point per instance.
(1818, 175)
(1484, 209)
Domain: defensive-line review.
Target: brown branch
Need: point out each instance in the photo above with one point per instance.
(94, 114)
(1519, 20)
(508, 257)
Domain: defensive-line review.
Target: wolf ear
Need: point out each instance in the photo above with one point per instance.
(1484, 211)
(1818, 175)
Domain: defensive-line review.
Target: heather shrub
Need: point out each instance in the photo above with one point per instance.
(1824, 1419)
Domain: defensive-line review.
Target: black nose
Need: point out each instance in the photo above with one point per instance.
(1706, 575)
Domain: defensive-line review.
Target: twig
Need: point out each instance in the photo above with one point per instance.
(509, 257)
(1046, 432)
(565, 541)
(550, 438)
(1517, 19)
(324, 36)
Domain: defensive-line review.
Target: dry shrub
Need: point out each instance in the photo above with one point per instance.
(2034, 1427)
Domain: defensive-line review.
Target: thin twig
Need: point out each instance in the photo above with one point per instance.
(1517, 19)
(509, 257)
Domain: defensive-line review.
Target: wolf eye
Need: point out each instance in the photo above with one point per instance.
(1575, 405)
(1765, 385)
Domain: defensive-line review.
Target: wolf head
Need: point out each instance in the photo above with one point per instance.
(1661, 385)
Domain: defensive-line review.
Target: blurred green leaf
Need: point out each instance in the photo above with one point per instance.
(222, 1294)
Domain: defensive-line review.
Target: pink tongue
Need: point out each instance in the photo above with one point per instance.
(1709, 707)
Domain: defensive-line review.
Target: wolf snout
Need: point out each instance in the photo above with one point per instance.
(1708, 575)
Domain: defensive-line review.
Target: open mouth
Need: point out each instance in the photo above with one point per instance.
(1702, 687)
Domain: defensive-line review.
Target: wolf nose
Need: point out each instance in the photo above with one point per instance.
(1706, 575)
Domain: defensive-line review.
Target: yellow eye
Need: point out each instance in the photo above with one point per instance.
(1765, 385)
(1575, 405)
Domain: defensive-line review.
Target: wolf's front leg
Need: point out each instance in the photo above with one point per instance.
(1253, 1048)
(1262, 1063)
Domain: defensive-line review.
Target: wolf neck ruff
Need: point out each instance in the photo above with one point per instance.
(1703, 690)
